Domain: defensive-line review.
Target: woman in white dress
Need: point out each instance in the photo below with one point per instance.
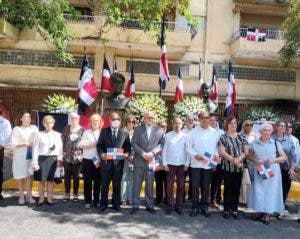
(21, 140)
(266, 192)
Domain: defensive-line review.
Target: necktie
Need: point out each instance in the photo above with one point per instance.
(114, 136)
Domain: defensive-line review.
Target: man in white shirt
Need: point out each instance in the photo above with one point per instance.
(202, 146)
(175, 163)
(5, 134)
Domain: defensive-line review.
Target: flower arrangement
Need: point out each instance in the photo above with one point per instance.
(140, 104)
(189, 105)
(60, 103)
(261, 114)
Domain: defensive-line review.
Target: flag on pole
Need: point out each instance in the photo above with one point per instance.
(214, 91)
(231, 93)
(130, 89)
(115, 68)
(179, 87)
(163, 64)
(87, 91)
(105, 84)
(200, 82)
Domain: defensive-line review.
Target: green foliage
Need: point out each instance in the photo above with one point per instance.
(257, 113)
(291, 50)
(189, 105)
(60, 103)
(139, 105)
(44, 15)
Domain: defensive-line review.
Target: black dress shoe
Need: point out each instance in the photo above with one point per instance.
(226, 215)
(205, 212)
(134, 210)
(116, 208)
(168, 211)
(194, 213)
(50, 203)
(179, 211)
(235, 215)
(1, 197)
(39, 204)
(157, 201)
(103, 208)
(151, 210)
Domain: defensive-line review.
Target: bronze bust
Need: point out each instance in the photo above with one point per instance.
(117, 99)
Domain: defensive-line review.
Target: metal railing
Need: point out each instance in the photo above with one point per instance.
(270, 34)
(132, 24)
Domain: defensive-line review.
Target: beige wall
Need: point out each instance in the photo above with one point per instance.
(255, 20)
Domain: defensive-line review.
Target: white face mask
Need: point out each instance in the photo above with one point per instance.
(116, 123)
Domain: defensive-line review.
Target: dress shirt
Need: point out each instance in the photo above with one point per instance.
(5, 131)
(174, 149)
(43, 142)
(89, 137)
(148, 129)
(200, 141)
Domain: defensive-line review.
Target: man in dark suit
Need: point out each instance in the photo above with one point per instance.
(112, 170)
(146, 142)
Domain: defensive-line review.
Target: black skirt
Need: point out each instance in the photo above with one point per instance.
(47, 169)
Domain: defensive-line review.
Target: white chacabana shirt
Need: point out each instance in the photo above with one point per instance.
(89, 137)
(202, 140)
(47, 143)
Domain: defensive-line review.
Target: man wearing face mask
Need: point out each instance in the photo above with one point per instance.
(113, 137)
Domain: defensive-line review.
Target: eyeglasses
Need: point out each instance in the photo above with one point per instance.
(290, 127)
(249, 125)
(130, 121)
(115, 119)
(164, 126)
(282, 125)
(204, 117)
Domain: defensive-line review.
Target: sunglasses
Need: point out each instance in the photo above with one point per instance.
(164, 126)
(249, 125)
(130, 121)
(204, 117)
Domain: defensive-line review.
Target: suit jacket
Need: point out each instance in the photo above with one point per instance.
(105, 141)
(142, 145)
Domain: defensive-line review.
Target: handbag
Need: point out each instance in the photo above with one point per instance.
(246, 180)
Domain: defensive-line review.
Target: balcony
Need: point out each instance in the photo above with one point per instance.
(265, 2)
(129, 34)
(268, 50)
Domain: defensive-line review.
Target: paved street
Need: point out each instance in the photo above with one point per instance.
(72, 220)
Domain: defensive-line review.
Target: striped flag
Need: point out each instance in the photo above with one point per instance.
(163, 64)
(231, 93)
(105, 84)
(130, 89)
(200, 82)
(115, 68)
(214, 91)
(179, 87)
(209, 160)
(153, 164)
(265, 171)
(114, 154)
(87, 91)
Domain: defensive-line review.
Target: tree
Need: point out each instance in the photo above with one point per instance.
(290, 52)
(46, 16)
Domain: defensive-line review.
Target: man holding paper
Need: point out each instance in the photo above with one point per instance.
(113, 147)
(202, 146)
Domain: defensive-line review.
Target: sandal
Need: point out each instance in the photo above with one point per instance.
(266, 219)
(67, 198)
(21, 201)
(87, 206)
(279, 217)
(30, 200)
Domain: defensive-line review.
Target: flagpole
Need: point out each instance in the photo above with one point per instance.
(161, 39)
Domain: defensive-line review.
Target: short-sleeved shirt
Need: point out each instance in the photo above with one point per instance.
(234, 147)
(265, 151)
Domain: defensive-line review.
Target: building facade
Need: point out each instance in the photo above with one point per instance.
(30, 70)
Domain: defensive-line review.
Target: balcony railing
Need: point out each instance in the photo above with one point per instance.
(132, 24)
(271, 34)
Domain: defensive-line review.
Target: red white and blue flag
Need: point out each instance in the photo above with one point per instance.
(179, 87)
(164, 76)
(200, 82)
(254, 34)
(153, 164)
(87, 91)
(210, 160)
(214, 89)
(106, 84)
(130, 89)
(114, 154)
(265, 171)
(231, 93)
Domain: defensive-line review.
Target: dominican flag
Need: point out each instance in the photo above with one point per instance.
(87, 91)
(163, 64)
(254, 34)
(231, 93)
(214, 92)
(265, 171)
(251, 34)
(179, 87)
(209, 160)
(96, 162)
(200, 82)
(114, 154)
(105, 84)
(153, 164)
(261, 34)
(115, 68)
(130, 89)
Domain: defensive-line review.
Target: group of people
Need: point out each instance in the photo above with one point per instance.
(255, 169)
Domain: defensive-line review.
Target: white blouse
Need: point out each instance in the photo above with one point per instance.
(22, 134)
(89, 137)
(47, 143)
